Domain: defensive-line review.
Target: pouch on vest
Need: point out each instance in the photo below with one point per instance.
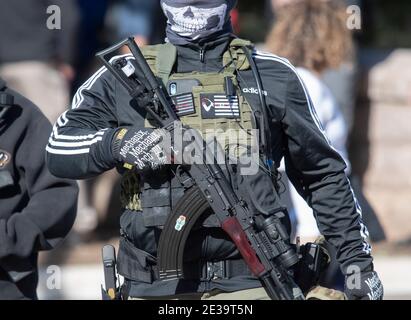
(133, 263)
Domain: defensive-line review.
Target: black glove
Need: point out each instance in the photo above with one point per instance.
(364, 286)
(139, 147)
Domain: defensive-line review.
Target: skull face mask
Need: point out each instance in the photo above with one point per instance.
(195, 20)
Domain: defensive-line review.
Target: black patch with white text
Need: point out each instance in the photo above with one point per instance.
(219, 106)
(183, 104)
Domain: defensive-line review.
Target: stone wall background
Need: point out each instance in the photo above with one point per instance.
(381, 138)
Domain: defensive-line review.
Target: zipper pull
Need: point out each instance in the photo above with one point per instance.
(202, 55)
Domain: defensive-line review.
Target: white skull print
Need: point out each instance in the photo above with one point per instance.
(191, 21)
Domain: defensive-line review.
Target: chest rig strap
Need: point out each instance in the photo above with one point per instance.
(165, 61)
(240, 58)
(164, 57)
(234, 59)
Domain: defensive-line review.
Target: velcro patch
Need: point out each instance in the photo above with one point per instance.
(183, 104)
(219, 106)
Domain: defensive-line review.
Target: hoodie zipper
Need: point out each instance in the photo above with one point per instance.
(202, 55)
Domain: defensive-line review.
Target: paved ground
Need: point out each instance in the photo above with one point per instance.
(395, 274)
(82, 281)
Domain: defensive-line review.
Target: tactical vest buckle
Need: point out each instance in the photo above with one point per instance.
(215, 270)
(184, 179)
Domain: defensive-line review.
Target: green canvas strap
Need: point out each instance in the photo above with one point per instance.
(234, 58)
(166, 59)
(167, 55)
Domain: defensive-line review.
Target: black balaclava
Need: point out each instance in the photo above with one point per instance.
(195, 21)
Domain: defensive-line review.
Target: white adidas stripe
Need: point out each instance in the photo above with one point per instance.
(62, 120)
(310, 106)
(77, 95)
(65, 120)
(58, 136)
(79, 98)
(74, 144)
(67, 152)
(88, 87)
(363, 229)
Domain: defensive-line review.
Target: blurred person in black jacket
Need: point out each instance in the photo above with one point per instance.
(35, 60)
(37, 210)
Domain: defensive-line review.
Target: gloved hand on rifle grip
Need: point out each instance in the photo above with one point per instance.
(142, 96)
(139, 147)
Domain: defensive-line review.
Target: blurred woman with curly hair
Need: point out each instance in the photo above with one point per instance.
(313, 35)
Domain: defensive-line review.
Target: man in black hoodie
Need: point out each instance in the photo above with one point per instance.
(37, 210)
(104, 129)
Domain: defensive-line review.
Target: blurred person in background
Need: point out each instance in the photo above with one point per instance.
(110, 21)
(134, 18)
(35, 60)
(92, 203)
(341, 80)
(92, 14)
(37, 210)
(324, 44)
(38, 56)
(105, 21)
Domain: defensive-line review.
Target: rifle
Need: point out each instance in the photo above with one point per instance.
(262, 243)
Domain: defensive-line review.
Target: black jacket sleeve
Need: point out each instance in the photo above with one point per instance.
(80, 144)
(317, 171)
(52, 202)
(315, 168)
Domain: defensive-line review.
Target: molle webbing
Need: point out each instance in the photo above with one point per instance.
(161, 59)
(130, 191)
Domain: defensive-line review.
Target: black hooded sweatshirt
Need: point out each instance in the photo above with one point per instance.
(37, 210)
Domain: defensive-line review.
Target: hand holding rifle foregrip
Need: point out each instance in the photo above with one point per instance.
(261, 245)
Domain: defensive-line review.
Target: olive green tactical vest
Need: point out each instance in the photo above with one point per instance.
(161, 59)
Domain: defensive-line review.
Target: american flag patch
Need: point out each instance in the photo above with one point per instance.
(183, 104)
(219, 106)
